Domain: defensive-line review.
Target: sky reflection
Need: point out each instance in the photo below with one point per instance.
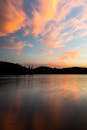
(45, 102)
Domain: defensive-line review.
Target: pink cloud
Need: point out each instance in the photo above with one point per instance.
(16, 46)
(30, 45)
(26, 32)
(65, 8)
(53, 44)
(55, 31)
(48, 53)
(56, 35)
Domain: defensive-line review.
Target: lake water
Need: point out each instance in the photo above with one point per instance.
(43, 102)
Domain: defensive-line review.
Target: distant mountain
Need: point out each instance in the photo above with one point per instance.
(7, 68)
(12, 69)
(48, 70)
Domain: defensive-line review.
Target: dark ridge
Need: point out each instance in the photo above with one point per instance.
(48, 70)
(7, 68)
(12, 69)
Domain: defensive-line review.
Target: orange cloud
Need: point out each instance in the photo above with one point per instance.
(58, 64)
(69, 55)
(37, 23)
(53, 44)
(47, 11)
(12, 16)
(55, 30)
(48, 53)
(56, 10)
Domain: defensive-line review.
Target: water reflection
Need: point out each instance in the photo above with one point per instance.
(43, 102)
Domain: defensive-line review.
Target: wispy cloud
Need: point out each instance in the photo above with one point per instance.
(12, 16)
(48, 53)
(53, 23)
(63, 27)
(69, 55)
(66, 59)
(26, 32)
(53, 44)
(29, 45)
(47, 11)
(16, 46)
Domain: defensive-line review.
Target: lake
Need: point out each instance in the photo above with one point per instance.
(43, 102)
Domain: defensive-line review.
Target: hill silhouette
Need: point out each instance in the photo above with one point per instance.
(7, 68)
(12, 69)
(71, 70)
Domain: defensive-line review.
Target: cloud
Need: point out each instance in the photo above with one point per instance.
(48, 53)
(58, 64)
(47, 11)
(26, 32)
(65, 8)
(69, 55)
(30, 45)
(53, 20)
(12, 16)
(37, 23)
(16, 46)
(64, 60)
(53, 44)
(61, 26)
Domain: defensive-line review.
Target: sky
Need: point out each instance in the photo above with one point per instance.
(44, 32)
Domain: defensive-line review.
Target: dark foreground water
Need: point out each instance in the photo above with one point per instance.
(43, 102)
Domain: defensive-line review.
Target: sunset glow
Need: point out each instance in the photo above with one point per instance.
(40, 32)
